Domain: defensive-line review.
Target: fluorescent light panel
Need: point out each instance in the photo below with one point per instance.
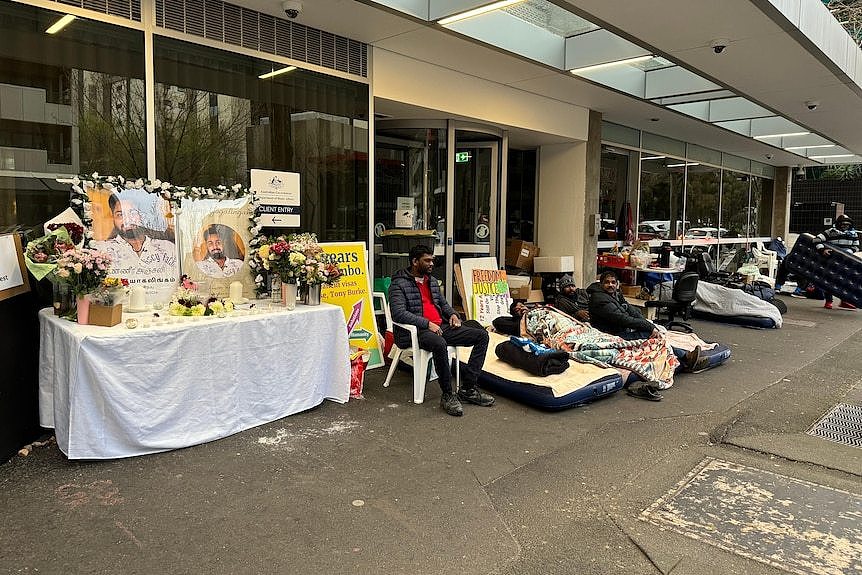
(832, 156)
(787, 135)
(60, 24)
(611, 64)
(477, 11)
(683, 165)
(653, 158)
(277, 72)
(810, 147)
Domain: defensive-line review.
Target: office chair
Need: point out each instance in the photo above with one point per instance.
(682, 299)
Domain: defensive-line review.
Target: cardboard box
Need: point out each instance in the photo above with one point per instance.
(630, 291)
(106, 315)
(520, 254)
(524, 290)
(554, 264)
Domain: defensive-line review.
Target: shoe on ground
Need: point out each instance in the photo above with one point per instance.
(798, 294)
(827, 305)
(645, 391)
(845, 305)
(702, 364)
(691, 359)
(451, 404)
(475, 396)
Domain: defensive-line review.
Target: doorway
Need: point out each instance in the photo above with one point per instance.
(445, 178)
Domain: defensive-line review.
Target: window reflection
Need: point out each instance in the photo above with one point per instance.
(661, 200)
(216, 120)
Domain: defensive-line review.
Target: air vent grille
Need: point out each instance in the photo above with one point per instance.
(129, 9)
(240, 26)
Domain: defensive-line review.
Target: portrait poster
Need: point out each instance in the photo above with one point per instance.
(214, 240)
(352, 293)
(137, 230)
(13, 277)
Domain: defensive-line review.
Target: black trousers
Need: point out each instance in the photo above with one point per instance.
(458, 336)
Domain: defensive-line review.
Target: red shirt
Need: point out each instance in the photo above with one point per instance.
(429, 310)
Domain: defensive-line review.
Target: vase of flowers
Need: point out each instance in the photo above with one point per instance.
(312, 294)
(300, 262)
(189, 301)
(288, 295)
(83, 270)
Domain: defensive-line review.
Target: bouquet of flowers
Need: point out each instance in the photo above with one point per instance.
(188, 301)
(41, 254)
(84, 269)
(76, 232)
(298, 258)
(111, 291)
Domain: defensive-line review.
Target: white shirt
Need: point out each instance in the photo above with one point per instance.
(210, 267)
(156, 266)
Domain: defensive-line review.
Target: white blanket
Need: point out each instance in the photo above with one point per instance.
(730, 302)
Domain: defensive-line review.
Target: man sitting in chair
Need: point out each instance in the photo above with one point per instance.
(415, 299)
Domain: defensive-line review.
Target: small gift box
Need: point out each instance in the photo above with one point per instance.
(106, 315)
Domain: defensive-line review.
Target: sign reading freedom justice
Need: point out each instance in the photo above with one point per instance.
(490, 295)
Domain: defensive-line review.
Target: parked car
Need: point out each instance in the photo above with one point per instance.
(705, 233)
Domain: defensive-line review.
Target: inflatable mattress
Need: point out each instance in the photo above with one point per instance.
(729, 305)
(742, 320)
(839, 274)
(579, 384)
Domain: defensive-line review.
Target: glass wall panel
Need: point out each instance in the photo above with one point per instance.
(216, 119)
(70, 103)
(617, 185)
(521, 195)
(661, 199)
(701, 202)
(734, 204)
(761, 207)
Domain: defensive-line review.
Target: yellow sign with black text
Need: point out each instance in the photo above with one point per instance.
(352, 293)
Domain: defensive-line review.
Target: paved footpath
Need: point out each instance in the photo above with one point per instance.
(720, 477)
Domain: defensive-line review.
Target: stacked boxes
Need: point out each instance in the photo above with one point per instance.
(520, 254)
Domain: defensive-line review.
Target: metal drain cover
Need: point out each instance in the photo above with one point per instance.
(788, 523)
(843, 424)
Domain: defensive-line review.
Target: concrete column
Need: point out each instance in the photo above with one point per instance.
(568, 196)
(781, 202)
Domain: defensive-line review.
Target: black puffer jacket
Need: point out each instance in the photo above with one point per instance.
(405, 303)
(611, 314)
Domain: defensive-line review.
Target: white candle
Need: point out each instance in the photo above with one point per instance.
(137, 298)
(236, 291)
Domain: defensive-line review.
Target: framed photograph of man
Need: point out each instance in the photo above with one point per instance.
(137, 229)
(214, 239)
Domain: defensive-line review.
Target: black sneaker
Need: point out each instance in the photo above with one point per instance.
(451, 405)
(645, 391)
(475, 396)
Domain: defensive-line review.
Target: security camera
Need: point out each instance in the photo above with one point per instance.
(719, 44)
(769, 156)
(812, 104)
(292, 8)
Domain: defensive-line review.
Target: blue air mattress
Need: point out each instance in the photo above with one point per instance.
(839, 274)
(580, 383)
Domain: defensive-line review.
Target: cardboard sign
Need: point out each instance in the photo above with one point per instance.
(352, 293)
(279, 197)
(13, 278)
(490, 295)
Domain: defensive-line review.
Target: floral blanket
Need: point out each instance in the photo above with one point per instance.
(652, 359)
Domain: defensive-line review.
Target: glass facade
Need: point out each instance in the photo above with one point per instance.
(74, 103)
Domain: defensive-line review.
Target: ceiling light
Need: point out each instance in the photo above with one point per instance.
(787, 135)
(609, 64)
(60, 24)
(683, 165)
(810, 147)
(276, 72)
(653, 158)
(477, 11)
(832, 156)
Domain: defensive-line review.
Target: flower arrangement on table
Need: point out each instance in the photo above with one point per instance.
(83, 269)
(111, 291)
(41, 254)
(299, 259)
(188, 301)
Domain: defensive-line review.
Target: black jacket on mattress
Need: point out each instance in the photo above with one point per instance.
(541, 365)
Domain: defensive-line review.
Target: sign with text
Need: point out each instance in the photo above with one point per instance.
(490, 295)
(279, 197)
(352, 293)
(13, 279)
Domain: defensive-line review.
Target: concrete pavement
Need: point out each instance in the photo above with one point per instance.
(385, 486)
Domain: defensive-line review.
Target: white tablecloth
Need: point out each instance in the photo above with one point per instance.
(117, 392)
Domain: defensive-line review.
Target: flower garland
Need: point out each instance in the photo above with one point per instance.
(174, 195)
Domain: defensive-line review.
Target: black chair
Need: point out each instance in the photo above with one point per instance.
(682, 299)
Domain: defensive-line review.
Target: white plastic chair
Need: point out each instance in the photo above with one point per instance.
(415, 356)
(767, 259)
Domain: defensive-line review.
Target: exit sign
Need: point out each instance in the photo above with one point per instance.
(462, 157)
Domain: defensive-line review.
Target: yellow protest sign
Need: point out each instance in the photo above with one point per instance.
(353, 294)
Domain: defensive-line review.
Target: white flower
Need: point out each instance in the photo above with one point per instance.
(95, 175)
(77, 201)
(139, 183)
(76, 181)
(236, 187)
(165, 186)
(258, 279)
(157, 183)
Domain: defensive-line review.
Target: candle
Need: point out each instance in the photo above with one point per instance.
(236, 291)
(137, 298)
